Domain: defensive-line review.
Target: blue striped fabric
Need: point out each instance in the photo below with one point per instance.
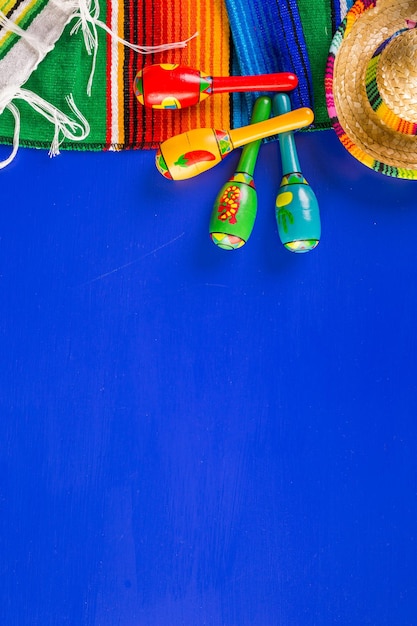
(339, 10)
(270, 36)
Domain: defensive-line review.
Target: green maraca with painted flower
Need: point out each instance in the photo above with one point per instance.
(234, 211)
(296, 207)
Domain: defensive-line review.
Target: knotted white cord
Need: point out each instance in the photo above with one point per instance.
(65, 127)
(87, 14)
(15, 112)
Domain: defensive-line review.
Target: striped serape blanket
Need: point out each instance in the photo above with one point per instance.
(67, 66)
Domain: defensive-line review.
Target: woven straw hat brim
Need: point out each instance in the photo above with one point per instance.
(363, 133)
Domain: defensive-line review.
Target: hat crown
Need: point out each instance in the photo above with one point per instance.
(391, 80)
(397, 75)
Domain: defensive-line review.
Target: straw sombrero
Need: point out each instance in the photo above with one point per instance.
(371, 85)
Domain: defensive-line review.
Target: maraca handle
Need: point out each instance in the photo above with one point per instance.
(261, 111)
(289, 157)
(293, 120)
(283, 81)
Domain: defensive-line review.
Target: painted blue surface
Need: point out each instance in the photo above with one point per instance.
(191, 436)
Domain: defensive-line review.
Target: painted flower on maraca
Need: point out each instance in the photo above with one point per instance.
(229, 204)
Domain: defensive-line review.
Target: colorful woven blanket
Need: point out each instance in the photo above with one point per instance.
(67, 66)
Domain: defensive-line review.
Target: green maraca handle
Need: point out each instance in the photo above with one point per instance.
(297, 209)
(247, 162)
(234, 210)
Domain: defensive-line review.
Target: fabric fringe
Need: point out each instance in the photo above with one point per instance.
(87, 16)
(88, 20)
(65, 127)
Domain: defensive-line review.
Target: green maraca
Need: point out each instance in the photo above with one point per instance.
(296, 207)
(235, 207)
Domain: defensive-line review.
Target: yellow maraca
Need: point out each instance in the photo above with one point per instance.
(191, 153)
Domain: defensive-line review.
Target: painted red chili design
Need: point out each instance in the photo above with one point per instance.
(194, 156)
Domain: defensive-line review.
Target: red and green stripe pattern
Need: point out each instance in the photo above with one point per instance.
(116, 119)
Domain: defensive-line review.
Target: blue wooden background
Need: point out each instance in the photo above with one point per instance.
(190, 436)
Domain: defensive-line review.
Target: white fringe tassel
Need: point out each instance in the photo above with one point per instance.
(15, 112)
(65, 127)
(87, 14)
(89, 22)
